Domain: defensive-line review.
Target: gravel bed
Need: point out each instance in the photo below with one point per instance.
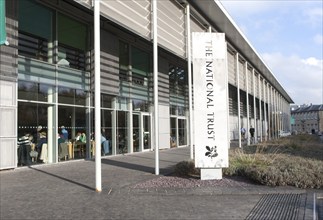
(182, 182)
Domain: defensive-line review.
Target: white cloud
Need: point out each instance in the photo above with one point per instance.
(312, 61)
(301, 78)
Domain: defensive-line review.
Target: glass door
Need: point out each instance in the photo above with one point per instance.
(182, 135)
(173, 132)
(146, 131)
(136, 132)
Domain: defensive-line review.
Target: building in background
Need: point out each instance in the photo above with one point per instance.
(307, 119)
(47, 78)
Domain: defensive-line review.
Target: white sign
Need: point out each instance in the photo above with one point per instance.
(210, 85)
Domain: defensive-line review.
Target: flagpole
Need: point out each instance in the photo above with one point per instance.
(97, 91)
(155, 57)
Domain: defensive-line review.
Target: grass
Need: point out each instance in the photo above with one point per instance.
(293, 161)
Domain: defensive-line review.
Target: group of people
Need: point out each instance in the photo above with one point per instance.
(30, 145)
(251, 131)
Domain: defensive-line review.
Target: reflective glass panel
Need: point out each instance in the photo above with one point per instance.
(136, 130)
(106, 118)
(122, 132)
(182, 139)
(27, 90)
(66, 95)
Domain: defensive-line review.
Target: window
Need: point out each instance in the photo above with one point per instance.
(178, 90)
(123, 60)
(140, 67)
(71, 48)
(35, 31)
(71, 96)
(35, 92)
(140, 105)
(106, 101)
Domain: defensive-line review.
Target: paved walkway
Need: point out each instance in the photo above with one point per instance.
(67, 191)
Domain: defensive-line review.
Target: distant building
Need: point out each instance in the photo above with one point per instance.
(307, 119)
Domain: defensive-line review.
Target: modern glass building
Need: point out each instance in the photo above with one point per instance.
(47, 78)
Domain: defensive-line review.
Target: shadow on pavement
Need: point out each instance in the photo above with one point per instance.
(137, 167)
(63, 178)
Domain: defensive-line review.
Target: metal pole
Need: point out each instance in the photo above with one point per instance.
(97, 87)
(189, 67)
(155, 48)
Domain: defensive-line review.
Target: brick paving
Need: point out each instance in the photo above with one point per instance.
(67, 191)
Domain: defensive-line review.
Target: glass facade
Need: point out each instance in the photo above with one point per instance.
(55, 94)
(178, 105)
(52, 95)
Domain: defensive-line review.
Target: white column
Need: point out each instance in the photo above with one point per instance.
(269, 111)
(130, 127)
(97, 91)
(238, 97)
(265, 111)
(276, 114)
(260, 106)
(189, 70)
(254, 105)
(51, 132)
(114, 127)
(248, 113)
(155, 56)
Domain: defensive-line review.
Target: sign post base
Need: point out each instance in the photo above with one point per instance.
(211, 174)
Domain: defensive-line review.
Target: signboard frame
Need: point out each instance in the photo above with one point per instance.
(210, 86)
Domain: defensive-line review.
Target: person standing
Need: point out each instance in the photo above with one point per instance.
(243, 133)
(252, 134)
(64, 133)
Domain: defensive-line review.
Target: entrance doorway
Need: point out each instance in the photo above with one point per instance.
(141, 132)
(178, 131)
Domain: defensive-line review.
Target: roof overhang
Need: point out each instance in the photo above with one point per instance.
(217, 16)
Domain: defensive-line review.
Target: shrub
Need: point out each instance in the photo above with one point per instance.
(186, 168)
(294, 161)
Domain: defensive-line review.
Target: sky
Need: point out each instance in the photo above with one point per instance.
(288, 36)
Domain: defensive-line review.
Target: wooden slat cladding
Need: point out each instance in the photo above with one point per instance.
(196, 26)
(135, 15)
(250, 85)
(8, 87)
(87, 3)
(256, 82)
(231, 68)
(261, 89)
(242, 76)
(9, 54)
(171, 27)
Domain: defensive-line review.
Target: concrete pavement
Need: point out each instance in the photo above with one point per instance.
(67, 191)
